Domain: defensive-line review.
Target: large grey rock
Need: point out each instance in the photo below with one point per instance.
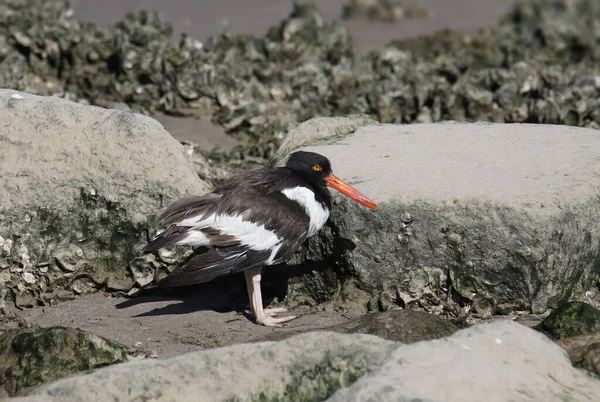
(509, 213)
(79, 184)
(304, 368)
(501, 361)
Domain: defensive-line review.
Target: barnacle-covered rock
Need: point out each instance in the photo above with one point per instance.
(485, 223)
(81, 186)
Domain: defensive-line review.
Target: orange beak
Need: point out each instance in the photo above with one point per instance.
(349, 191)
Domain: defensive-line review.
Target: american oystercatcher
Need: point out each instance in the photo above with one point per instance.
(254, 219)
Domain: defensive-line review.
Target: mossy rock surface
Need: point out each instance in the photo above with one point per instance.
(307, 367)
(30, 357)
(571, 319)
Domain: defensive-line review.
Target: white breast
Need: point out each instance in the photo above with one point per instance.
(316, 211)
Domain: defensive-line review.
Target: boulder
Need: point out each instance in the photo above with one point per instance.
(304, 368)
(494, 362)
(501, 361)
(81, 185)
(507, 215)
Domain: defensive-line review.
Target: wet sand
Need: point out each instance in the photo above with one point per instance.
(170, 326)
(202, 19)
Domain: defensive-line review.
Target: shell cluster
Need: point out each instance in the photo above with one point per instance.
(538, 65)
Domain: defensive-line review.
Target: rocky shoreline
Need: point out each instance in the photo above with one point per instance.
(536, 66)
(480, 220)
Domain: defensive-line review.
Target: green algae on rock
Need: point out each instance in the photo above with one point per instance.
(307, 367)
(571, 319)
(30, 357)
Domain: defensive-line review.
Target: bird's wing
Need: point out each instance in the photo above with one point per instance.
(215, 262)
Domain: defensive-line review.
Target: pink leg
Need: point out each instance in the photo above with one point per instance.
(262, 316)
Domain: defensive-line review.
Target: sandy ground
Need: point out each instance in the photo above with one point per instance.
(194, 318)
(171, 325)
(202, 19)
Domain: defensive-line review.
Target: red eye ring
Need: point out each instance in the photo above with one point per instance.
(317, 168)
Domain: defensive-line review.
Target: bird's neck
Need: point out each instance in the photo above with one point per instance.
(322, 194)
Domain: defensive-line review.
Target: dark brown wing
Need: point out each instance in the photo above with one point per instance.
(215, 262)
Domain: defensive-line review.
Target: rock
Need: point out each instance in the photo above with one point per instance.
(81, 186)
(376, 10)
(319, 129)
(491, 214)
(571, 319)
(499, 361)
(305, 367)
(30, 357)
(584, 351)
(404, 326)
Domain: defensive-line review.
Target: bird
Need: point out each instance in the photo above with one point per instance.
(255, 219)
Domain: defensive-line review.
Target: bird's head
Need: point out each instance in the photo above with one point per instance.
(316, 169)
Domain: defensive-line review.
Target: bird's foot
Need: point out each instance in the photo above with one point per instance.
(272, 312)
(270, 320)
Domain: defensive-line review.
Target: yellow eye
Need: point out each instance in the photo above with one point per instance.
(317, 168)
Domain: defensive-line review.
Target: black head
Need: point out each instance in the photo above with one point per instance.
(313, 167)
